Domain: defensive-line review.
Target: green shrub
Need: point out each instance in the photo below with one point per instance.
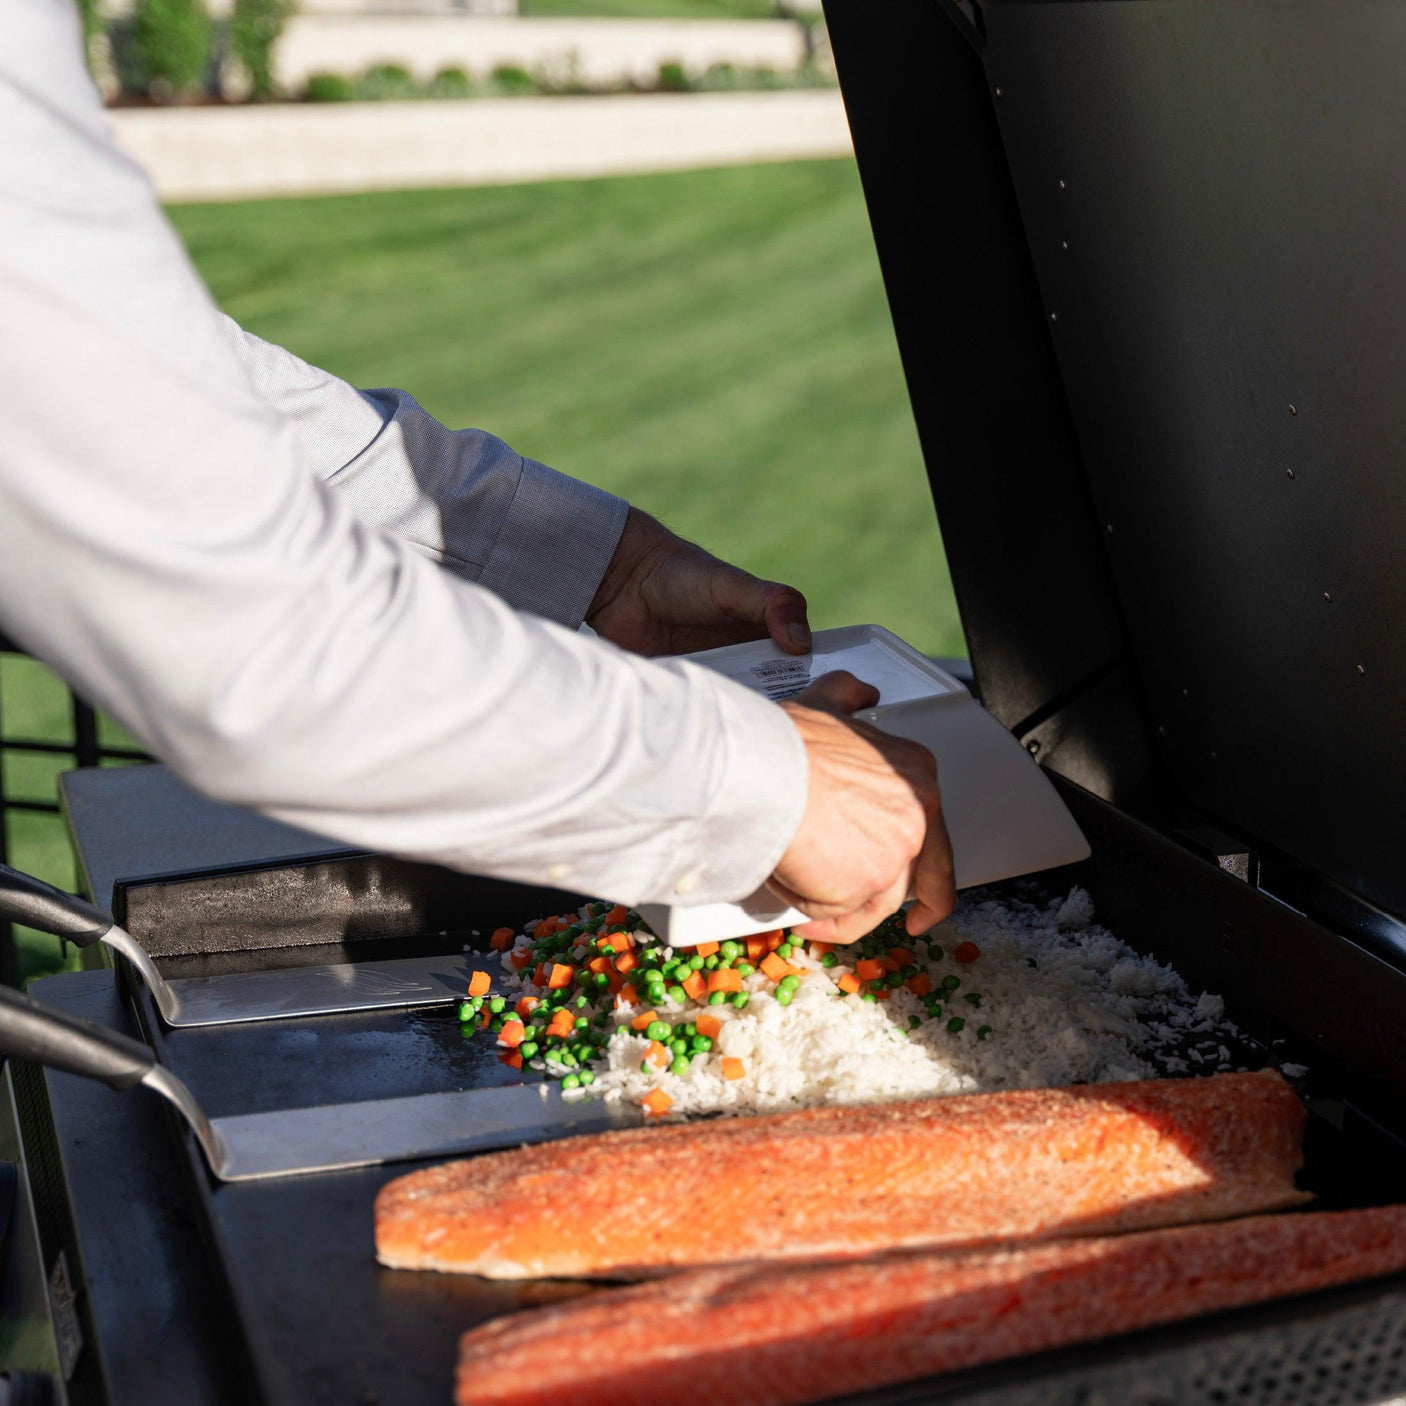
(328, 88)
(512, 82)
(721, 78)
(170, 45)
(387, 82)
(254, 28)
(673, 78)
(451, 83)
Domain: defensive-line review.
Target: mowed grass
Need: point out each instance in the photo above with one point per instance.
(713, 345)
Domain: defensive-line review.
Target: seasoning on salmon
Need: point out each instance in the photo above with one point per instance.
(768, 1336)
(947, 1171)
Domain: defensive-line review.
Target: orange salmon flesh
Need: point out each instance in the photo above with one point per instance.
(852, 1181)
(768, 1335)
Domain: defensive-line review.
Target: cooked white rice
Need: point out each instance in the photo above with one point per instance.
(1065, 1001)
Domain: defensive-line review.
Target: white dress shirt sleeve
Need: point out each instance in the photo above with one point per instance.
(167, 544)
(461, 496)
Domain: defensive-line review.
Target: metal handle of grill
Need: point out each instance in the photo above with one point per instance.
(58, 1040)
(35, 904)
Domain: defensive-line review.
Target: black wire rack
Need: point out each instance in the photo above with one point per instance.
(82, 746)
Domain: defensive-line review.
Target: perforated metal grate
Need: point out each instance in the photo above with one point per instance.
(1351, 1356)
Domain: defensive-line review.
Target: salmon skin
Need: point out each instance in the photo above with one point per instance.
(851, 1181)
(765, 1335)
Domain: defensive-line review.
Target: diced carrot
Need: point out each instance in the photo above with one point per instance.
(501, 940)
(658, 1102)
(621, 941)
(483, 1022)
(627, 995)
(756, 949)
(545, 927)
(656, 1055)
(870, 969)
(480, 983)
(920, 985)
(707, 949)
(733, 1068)
(513, 1033)
(600, 964)
(524, 1007)
(644, 1020)
(849, 983)
(512, 1058)
(694, 984)
(618, 914)
(561, 975)
(539, 977)
(709, 1025)
(901, 957)
(883, 993)
(626, 962)
(774, 939)
(614, 982)
(821, 949)
(561, 1024)
(776, 968)
(724, 979)
(521, 959)
(965, 952)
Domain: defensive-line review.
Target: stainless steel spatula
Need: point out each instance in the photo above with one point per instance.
(289, 1142)
(241, 996)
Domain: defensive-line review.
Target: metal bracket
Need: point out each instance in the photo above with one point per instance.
(1224, 851)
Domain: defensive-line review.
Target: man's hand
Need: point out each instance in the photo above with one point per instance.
(872, 833)
(662, 595)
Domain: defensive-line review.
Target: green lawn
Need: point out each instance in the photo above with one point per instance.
(713, 345)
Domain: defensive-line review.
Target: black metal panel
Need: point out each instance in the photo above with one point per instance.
(1028, 567)
(1215, 196)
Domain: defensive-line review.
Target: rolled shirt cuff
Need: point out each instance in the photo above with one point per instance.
(554, 545)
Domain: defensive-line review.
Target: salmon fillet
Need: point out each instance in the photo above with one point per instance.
(850, 1181)
(765, 1335)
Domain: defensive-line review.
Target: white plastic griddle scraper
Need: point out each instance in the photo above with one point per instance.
(1003, 815)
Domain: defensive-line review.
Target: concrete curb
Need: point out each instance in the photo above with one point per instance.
(308, 149)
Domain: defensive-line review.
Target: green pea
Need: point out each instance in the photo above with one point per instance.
(568, 1059)
(679, 1064)
(528, 1049)
(870, 997)
(745, 969)
(739, 999)
(951, 983)
(571, 1081)
(586, 1077)
(784, 951)
(908, 972)
(467, 1012)
(497, 1005)
(689, 1031)
(1030, 962)
(657, 1030)
(710, 962)
(783, 998)
(935, 952)
(601, 980)
(788, 983)
(696, 962)
(669, 968)
(582, 1002)
(731, 951)
(914, 1022)
(894, 979)
(974, 997)
(583, 1022)
(829, 960)
(678, 994)
(955, 1024)
(701, 1044)
(716, 998)
(982, 1031)
(678, 1047)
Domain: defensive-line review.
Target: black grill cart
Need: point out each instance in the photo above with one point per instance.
(1147, 266)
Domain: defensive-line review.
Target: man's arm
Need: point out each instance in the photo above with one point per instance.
(165, 546)
(536, 538)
